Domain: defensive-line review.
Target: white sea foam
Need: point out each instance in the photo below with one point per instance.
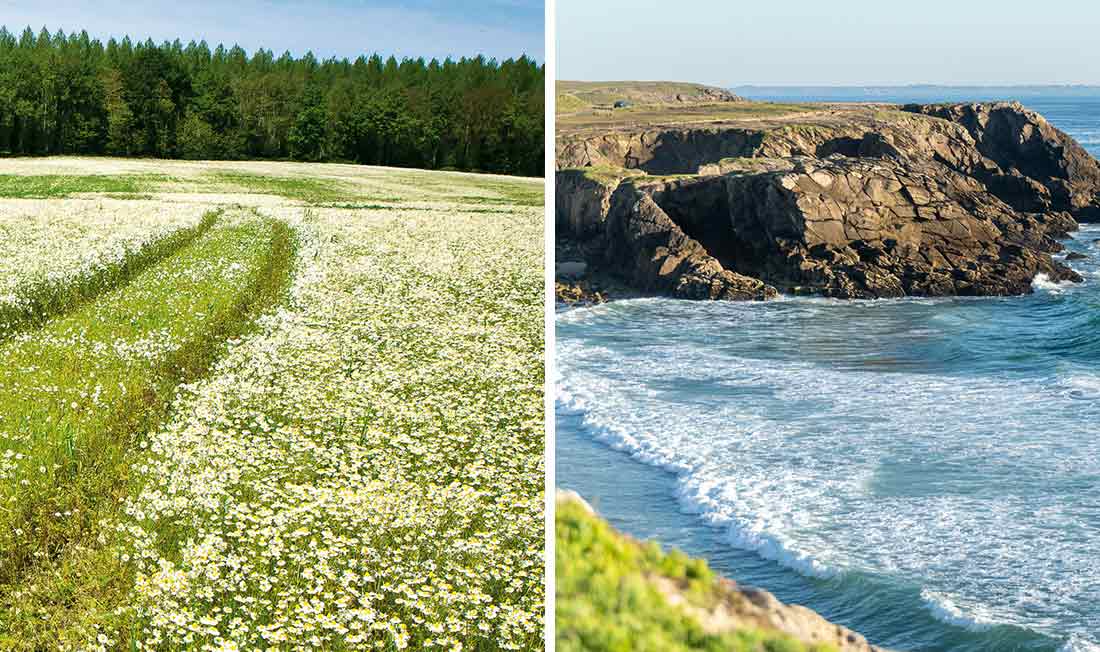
(695, 494)
(944, 608)
(1042, 283)
(796, 430)
(1078, 643)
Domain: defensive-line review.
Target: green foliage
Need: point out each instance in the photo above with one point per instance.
(71, 94)
(52, 186)
(608, 596)
(50, 298)
(307, 136)
(77, 408)
(307, 189)
(197, 139)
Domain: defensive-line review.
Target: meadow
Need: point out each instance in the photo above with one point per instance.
(269, 406)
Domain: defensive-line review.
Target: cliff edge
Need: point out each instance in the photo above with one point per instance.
(616, 593)
(849, 201)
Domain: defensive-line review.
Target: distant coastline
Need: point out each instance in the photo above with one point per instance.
(914, 92)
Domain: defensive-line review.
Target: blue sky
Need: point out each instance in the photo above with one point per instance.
(874, 42)
(428, 28)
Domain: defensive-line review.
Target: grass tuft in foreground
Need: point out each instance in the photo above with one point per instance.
(613, 594)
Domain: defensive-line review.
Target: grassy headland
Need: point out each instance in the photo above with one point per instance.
(583, 106)
(614, 593)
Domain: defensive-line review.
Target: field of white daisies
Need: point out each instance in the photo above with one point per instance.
(269, 406)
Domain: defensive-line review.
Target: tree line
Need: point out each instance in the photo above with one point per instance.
(72, 94)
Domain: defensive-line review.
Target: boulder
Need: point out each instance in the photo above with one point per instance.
(1035, 166)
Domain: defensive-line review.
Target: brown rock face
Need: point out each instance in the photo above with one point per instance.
(664, 151)
(659, 257)
(865, 228)
(951, 200)
(582, 203)
(1036, 167)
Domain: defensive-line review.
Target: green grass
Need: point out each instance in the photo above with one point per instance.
(471, 190)
(391, 207)
(48, 298)
(638, 92)
(642, 115)
(608, 597)
(607, 175)
(511, 197)
(75, 395)
(569, 103)
(53, 186)
(306, 189)
(505, 193)
(129, 195)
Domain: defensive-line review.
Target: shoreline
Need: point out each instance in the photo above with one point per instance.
(833, 594)
(654, 486)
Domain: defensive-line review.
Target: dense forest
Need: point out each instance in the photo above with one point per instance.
(71, 94)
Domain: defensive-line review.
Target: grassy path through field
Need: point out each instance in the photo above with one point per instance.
(76, 393)
(49, 299)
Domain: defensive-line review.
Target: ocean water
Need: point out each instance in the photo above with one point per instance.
(925, 471)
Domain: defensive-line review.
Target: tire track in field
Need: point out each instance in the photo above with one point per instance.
(48, 300)
(89, 474)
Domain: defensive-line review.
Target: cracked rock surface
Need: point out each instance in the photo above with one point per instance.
(930, 201)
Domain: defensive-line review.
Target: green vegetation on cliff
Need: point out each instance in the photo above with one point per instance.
(616, 594)
(581, 95)
(609, 175)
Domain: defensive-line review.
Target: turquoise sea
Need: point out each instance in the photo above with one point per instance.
(924, 471)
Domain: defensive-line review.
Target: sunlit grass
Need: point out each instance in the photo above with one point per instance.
(40, 299)
(359, 468)
(367, 472)
(74, 395)
(609, 595)
(306, 189)
(54, 186)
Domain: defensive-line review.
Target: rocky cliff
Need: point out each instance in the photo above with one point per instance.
(853, 202)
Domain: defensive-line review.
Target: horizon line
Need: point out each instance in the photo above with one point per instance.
(846, 85)
(926, 85)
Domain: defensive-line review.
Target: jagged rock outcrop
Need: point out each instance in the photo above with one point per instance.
(663, 151)
(623, 229)
(658, 256)
(930, 201)
(583, 201)
(1037, 166)
(865, 228)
